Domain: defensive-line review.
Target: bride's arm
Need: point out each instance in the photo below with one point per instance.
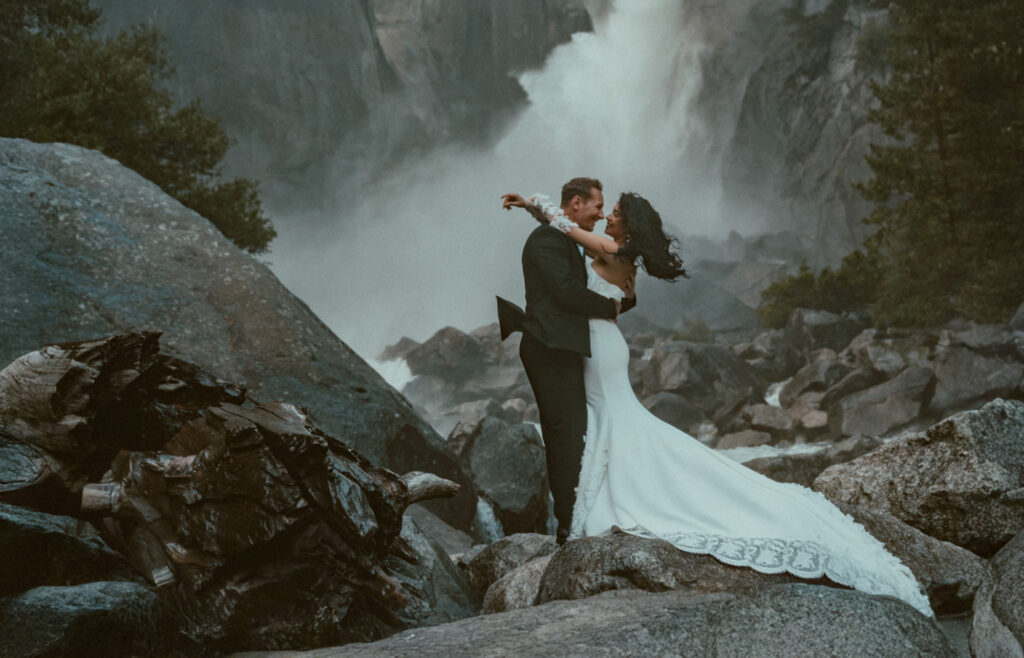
(548, 213)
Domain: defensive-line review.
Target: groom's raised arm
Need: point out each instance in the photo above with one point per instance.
(545, 251)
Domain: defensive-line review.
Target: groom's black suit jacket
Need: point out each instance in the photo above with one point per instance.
(558, 303)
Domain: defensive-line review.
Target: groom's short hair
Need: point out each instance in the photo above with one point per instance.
(579, 187)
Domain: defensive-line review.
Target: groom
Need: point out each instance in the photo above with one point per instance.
(556, 337)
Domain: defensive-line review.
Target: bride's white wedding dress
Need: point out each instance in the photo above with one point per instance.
(650, 479)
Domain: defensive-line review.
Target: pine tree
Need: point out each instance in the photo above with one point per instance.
(947, 187)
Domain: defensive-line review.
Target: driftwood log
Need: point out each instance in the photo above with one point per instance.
(263, 530)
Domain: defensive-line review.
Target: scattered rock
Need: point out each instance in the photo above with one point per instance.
(822, 372)
(399, 350)
(495, 560)
(885, 407)
(962, 481)
(809, 330)
(744, 439)
(766, 418)
(710, 377)
(518, 588)
(452, 540)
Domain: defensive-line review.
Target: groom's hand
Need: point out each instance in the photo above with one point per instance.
(509, 201)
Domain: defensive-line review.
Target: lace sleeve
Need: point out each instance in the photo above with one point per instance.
(553, 215)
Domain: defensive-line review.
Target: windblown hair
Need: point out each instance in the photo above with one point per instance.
(646, 240)
(579, 187)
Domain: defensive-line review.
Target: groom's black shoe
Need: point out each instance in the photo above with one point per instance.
(561, 535)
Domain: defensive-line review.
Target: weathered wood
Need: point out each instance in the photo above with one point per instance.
(215, 499)
(102, 498)
(427, 486)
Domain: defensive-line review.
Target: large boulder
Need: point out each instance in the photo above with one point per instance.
(449, 353)
(883, 408)
(783, 620)
(998, 626)
(772, 355)
(90, 248)
(43, 549)
(961, 481)
(591, 565)
(965, 377)
(92, 619)
(508, 465)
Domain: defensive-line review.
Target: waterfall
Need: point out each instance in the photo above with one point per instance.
(428, 246)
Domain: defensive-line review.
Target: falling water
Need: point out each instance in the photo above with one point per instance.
(429, 246)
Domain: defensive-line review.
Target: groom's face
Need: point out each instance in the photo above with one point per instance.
(587, 211)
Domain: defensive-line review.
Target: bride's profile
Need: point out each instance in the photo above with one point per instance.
(650, 479)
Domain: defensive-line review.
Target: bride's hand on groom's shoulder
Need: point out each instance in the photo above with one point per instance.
(509, 201)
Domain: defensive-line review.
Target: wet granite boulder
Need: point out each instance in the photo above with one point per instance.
(91, 619)
(508, 467)
(962, 481)
(965, 377)
(39, 549)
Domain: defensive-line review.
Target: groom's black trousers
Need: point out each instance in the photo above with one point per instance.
(556, 377)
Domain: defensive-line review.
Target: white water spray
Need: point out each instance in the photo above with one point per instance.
(430, 247)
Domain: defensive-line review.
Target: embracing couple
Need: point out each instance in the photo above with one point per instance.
(613, 464)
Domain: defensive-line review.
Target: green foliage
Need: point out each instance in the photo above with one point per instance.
(852, 286)
(59, 81)
(946, 185)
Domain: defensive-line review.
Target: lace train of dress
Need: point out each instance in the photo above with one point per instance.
(653, 480)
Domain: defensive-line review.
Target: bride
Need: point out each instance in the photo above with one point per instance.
(653, 480)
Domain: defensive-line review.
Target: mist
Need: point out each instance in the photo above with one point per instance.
(428, 245)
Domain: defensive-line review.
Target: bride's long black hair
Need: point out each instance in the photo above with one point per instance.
(646, 239)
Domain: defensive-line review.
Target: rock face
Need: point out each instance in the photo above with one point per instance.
(93, 249)
(308, 92)
(783, 620)
(960, 482)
